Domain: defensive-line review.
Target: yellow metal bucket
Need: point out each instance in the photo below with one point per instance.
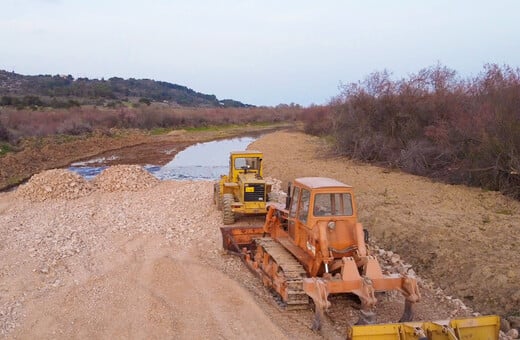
(475, 328)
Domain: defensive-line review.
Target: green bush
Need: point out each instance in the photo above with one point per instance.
(145, 101)
(5, 148)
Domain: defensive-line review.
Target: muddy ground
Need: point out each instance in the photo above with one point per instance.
(147, 263)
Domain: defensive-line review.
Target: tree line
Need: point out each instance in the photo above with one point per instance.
(64, 91)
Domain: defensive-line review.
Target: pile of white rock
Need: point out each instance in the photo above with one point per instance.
(54, 184)
(124, 178)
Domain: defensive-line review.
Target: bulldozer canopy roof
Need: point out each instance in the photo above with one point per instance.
(321, 182)
(246, 152)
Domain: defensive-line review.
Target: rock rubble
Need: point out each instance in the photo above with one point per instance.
(124, 178)
(65, 184)
(54, 184)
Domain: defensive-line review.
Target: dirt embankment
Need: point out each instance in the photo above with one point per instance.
(129, 256)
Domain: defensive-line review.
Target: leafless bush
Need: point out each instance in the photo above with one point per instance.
(418, 157)
(85, 119)
(318, 120)
(434, 123)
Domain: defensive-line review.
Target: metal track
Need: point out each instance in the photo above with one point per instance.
(292, 272)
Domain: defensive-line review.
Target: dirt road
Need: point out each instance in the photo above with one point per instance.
(144, 261)
(143, 264)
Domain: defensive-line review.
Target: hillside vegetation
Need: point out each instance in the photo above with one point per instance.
(45, 105)
(434, 123)
(60, 91)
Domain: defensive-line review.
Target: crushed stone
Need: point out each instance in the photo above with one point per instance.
(54, 184)
(124, 178)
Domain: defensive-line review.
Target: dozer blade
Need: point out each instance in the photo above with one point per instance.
(475, 328)
(235, 239)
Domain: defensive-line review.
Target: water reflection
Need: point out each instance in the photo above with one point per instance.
(200, 161)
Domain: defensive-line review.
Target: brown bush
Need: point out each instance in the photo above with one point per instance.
(318, 120)
(85, 119)
(434, 123)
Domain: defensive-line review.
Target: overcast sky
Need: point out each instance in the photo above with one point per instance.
(258, 52)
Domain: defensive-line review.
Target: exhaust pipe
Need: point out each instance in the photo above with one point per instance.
(288, 198)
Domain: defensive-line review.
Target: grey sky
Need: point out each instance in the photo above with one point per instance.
(259, 52)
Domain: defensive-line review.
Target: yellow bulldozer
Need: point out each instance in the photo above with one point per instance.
(314, 246)
(243, 191)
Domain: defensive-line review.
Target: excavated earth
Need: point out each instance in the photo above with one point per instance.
(128, 256)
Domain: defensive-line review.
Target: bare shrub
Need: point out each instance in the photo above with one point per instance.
(86, 119)
(417, 157)
(434, 123)
(5, 136)
(318, 120)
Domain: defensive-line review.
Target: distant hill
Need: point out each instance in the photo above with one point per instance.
(64, 90)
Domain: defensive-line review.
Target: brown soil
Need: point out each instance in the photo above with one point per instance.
(145, 261)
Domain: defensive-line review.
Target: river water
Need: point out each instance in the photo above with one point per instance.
(201, 161)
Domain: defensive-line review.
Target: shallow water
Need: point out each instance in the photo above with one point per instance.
(201, 161)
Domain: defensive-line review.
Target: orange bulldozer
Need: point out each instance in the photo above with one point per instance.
(314, 246)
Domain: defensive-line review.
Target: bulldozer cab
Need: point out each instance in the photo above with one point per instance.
(244, 162)
(332, 204)
(323, 205)
(318, 198)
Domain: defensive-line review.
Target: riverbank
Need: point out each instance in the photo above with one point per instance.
(135, 147)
